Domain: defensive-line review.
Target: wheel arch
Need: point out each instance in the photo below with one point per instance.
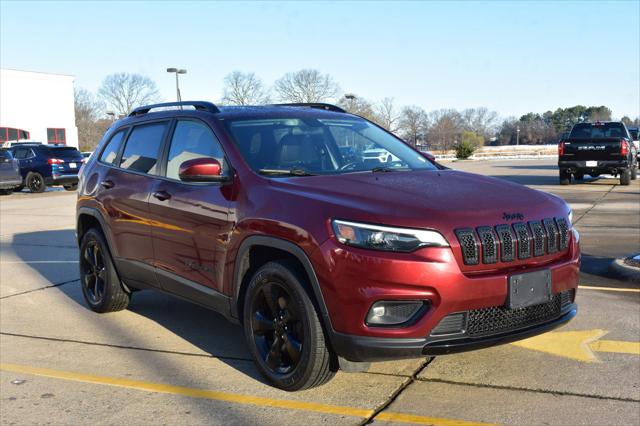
(270, 249)
(87, 218)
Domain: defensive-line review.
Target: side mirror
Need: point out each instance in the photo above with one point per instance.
(203, 169)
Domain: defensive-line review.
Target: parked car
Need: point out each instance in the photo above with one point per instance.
(633, 132)
(378, 156)
(326, 262)
(10, 144)
(10, 178)
(595, 149)
(47, 165)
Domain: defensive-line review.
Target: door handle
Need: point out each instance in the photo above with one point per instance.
(107, 184)
(162, 195)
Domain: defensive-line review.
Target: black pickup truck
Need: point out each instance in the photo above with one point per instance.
(598, 148)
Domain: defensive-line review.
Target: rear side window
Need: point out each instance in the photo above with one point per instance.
(110, 151)
(22, 153)
(142, 148)
(192, 139)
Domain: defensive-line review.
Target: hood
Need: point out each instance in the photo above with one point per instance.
(439, 199)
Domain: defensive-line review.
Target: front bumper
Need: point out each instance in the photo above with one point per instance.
(371, 349)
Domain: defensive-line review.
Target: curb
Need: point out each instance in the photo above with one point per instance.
(625, 272)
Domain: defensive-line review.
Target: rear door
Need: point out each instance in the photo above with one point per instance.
(25, 157)
(124, 193)
(193, 218)
(8, 170)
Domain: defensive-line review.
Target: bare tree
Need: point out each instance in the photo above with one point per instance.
(122, 92)
(306, 85)
(88, 111)
(413, 123)
(358, 106)
(446, 126)
(481, 121)
(244, 89)
(387, 115)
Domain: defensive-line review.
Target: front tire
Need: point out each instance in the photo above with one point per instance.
(100, 284)
(35, 182)
(565, 177)
(283, 331)
(625, 177)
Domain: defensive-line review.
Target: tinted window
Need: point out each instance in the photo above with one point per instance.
(190, 140)
(110, 151)
(321, 146)
(22, 153)
(13, 134)
(69, 152)
(598, 130)
(142, 147)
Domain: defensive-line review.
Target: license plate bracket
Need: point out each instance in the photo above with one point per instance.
(531, 288)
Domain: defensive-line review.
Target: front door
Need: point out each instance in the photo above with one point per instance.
(192, 222)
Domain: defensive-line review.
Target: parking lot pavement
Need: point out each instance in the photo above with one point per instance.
(166, 361)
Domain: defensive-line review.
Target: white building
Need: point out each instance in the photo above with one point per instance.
(37, 106)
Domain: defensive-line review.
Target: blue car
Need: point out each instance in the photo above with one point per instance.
(47, 165)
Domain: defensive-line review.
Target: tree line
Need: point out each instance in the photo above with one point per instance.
(441, 129)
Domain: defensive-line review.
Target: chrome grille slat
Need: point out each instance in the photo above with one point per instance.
(524, 240)
(563, 229)
(552, 235)
(469, 245)
(489, 244)
(507, 243)
(539, 237)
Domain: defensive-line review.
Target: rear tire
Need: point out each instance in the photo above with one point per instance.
(6, 191)
(565, 177)
(35, 182)
(625, 177)
(283, 330)
(634, 172)
(99, 280)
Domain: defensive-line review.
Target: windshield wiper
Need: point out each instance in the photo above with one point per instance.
(286, 172)
(382, 169)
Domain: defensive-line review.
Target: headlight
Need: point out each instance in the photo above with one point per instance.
(386, 238)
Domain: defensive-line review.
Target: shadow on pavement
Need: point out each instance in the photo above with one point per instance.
(201, 327)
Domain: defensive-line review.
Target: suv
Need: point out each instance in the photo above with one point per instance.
(325, 261)
(10, 177)
(46, 165)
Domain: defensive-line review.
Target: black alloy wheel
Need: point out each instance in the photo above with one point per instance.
(283, 330)
(276, 328)
(35, 182)
(93, 270)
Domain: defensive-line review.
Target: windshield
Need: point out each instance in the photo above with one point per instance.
(321, 146)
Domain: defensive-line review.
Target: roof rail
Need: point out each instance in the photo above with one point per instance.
(199, 105)
(316, 105)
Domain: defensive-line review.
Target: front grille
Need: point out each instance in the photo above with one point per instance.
(506, 243)
(500, 319)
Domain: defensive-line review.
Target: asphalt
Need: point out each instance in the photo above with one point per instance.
(166, 361)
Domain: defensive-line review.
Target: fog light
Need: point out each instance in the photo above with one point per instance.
(396, 312)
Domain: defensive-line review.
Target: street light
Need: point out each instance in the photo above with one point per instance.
(517, 135)
(177, 71)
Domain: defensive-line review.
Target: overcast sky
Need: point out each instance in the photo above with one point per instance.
(510, 57)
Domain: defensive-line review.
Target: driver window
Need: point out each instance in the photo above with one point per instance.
(192, 139)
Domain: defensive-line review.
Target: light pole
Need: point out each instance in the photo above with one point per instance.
(517, 135)
(177, 71)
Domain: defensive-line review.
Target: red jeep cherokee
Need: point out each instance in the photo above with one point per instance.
(327, 257)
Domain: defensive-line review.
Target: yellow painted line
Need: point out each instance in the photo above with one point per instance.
(623, 290)
(615, 346)
(229, 397)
